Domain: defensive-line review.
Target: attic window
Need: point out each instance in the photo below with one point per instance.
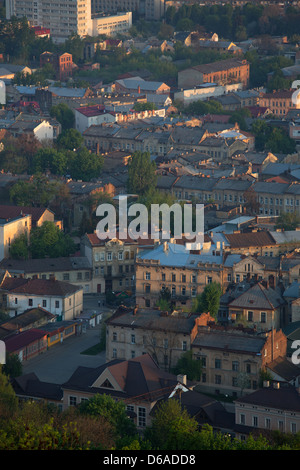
(107, 384)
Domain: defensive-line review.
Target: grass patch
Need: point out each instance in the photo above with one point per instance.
(93, 350)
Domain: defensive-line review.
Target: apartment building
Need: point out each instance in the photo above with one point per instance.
(112, 261)
(150, 9)
(232, 359)
(134, 332)
(174, 267)
(62, 64)
(66, 17)
(274, 407)
(58, 297)
(222, 72)
(76, 270)
(279, 102)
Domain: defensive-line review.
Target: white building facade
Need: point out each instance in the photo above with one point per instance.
(65, 17)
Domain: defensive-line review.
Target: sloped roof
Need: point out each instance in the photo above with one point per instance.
(138, 377)
(17, 341)
(284, 368)
(284, 398)
(38, 286)
(11, 212)
(258, 297)
(29, 385)
(230, 341)
(245, 240)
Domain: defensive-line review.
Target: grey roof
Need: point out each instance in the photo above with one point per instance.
(270, 187)
(45, 265)
(154, 320)
(258, 297)
(234, 184)
(284, 398)
(238, 342)
(134, 82)
(288, 236)
(293, 291)
(276, 169)
(195, 182)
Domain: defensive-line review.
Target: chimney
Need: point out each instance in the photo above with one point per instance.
(182, 379)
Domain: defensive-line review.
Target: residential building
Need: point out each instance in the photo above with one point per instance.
(140, 86)
(67, 17)
(263, 308)
(203, 92)
(139, 382)
(183, 272)
(230, 355)
(150, 9)
(10, 229)
(63, 18)
(131, 332)
(27, 344)
(41, 129)
(275, 407)
(279, 102)
(62, 64)
(94, 115)
(38, 215)
(220, 72)
(58, 297)
(75, 270)
(112, 261)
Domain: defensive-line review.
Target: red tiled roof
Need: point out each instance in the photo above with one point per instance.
(95, 241)
(244, 240)
(11, 212)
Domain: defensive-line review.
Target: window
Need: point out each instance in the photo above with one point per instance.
(184, 345)
(147, 288)
(242, 418)
(235, 366)
(57, 304)
(114, 353)
(66, 277)
(148, 276)
(263, 317)
(120, 255)
(217, 379)
(218, 363)
(30, 302)
(268, 423)
(114, 336)
(250, 316)
(72, 401)
(141, 416)
(109, 256)
(44, 303)
(16, 300)
(255, 421)
(132, 339)
(166, 343)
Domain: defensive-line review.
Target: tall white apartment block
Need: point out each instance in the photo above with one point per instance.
(65, 17)
(150, 9)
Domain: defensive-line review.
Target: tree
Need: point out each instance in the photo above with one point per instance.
(13, 366)
(37, 192)
(84, 165)
(48, 240)
(172, 428)
(19, 247)
(70, 139)
(141, 173)
(209, 299)
(8, 401)
(114, 412)
(288, 221)
(189, 366)
(64, 115)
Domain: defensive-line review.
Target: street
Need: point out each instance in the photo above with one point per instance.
(58, 363)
